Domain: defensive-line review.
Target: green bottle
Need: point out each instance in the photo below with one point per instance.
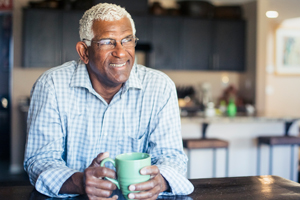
(231, 108)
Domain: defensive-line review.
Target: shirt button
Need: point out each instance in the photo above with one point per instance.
(105, 134)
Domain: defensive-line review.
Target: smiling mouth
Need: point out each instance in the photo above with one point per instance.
(118, 65)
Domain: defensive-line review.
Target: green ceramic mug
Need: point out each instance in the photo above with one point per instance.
(128, 168)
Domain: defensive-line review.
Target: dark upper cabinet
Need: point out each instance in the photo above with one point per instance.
(178, 43)
(166, 37)
(196, 44)
(70, 35)
(42, 41)
(139, 7)
(143, 26)
(50, 37)
(229, 45)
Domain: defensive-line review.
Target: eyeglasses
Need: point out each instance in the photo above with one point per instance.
(108, 44)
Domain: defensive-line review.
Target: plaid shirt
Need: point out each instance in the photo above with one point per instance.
(69, 124)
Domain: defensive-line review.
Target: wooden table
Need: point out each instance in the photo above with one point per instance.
(232, 188)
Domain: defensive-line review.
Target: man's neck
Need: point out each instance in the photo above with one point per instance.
(107, 93)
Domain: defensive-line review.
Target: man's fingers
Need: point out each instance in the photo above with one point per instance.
(99, 172)
(92, 197)
(150, 194)
(150, 170)
(145, 186)
(101, 156)
(100, 184)
(98, 188)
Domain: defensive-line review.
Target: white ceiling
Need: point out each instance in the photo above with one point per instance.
(287, 9)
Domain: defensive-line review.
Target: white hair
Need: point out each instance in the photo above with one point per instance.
(101, 11)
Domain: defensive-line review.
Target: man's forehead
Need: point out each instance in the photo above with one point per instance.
(102, 26)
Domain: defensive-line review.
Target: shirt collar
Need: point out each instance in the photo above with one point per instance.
(81, 78)
(133, 80)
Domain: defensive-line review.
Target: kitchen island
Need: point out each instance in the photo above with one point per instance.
(241, 133)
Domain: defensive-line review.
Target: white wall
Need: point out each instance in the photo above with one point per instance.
(277, 95)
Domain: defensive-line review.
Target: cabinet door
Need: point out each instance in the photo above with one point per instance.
(229, 45)
(166, 43)
(70, 35)
(143, 28)
(42, 38)
(197, 39)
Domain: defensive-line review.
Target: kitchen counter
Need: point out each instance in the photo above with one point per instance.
(199, 118)
(241, 132)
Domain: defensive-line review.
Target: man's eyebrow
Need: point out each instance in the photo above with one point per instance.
(131, 35)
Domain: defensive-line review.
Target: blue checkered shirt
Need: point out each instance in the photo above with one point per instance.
(69, 124)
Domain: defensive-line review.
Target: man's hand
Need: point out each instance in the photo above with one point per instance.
(91, 181)
(94, 184)
(149, 189)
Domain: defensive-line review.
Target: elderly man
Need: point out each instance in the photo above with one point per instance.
(104, 105)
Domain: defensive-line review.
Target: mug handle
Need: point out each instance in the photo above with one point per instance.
(114, 163)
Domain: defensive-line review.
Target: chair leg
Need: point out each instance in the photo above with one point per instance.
(292, 162)
(258, 160)
(227, 162)
(270, 160)
(214, 162)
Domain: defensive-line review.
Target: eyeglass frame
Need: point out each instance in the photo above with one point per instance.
(115, 41)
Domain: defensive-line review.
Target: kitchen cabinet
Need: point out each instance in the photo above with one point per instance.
(50, 37)
(42, 42)
(228, 45)
(213, 44)
(196, 46)
(166, 37)
(70, 35)
(178, 43)
(132, 6)
(143, 26)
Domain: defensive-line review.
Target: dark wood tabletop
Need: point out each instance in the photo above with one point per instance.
(232, 188)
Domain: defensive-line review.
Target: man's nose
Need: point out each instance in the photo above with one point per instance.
(119, 50)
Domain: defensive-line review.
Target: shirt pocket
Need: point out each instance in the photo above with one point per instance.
(131, 141)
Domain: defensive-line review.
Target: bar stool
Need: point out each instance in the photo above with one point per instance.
(206, 143)
(278, 140)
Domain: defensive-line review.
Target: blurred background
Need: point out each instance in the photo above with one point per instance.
(216, 51)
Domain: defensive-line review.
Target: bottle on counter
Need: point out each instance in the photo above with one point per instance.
(210, 110)
(222, 107)
(231, 108)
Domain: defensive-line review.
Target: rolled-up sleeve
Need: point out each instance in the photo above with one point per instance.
(45, 142)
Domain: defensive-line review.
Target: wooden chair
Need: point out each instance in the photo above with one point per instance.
(278, 140)
(206, 143)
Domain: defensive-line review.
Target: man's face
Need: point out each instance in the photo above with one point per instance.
(111, 67)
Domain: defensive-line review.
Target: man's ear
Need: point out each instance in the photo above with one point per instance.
(82, 51)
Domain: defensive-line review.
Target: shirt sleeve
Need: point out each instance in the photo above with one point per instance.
(166, 146)
(44, 152)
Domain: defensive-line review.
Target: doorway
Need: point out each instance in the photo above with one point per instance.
(5, 74)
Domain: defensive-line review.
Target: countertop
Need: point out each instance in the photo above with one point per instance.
(250, 188)
(240, 118)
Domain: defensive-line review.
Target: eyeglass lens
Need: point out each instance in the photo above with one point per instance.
(111, 43)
